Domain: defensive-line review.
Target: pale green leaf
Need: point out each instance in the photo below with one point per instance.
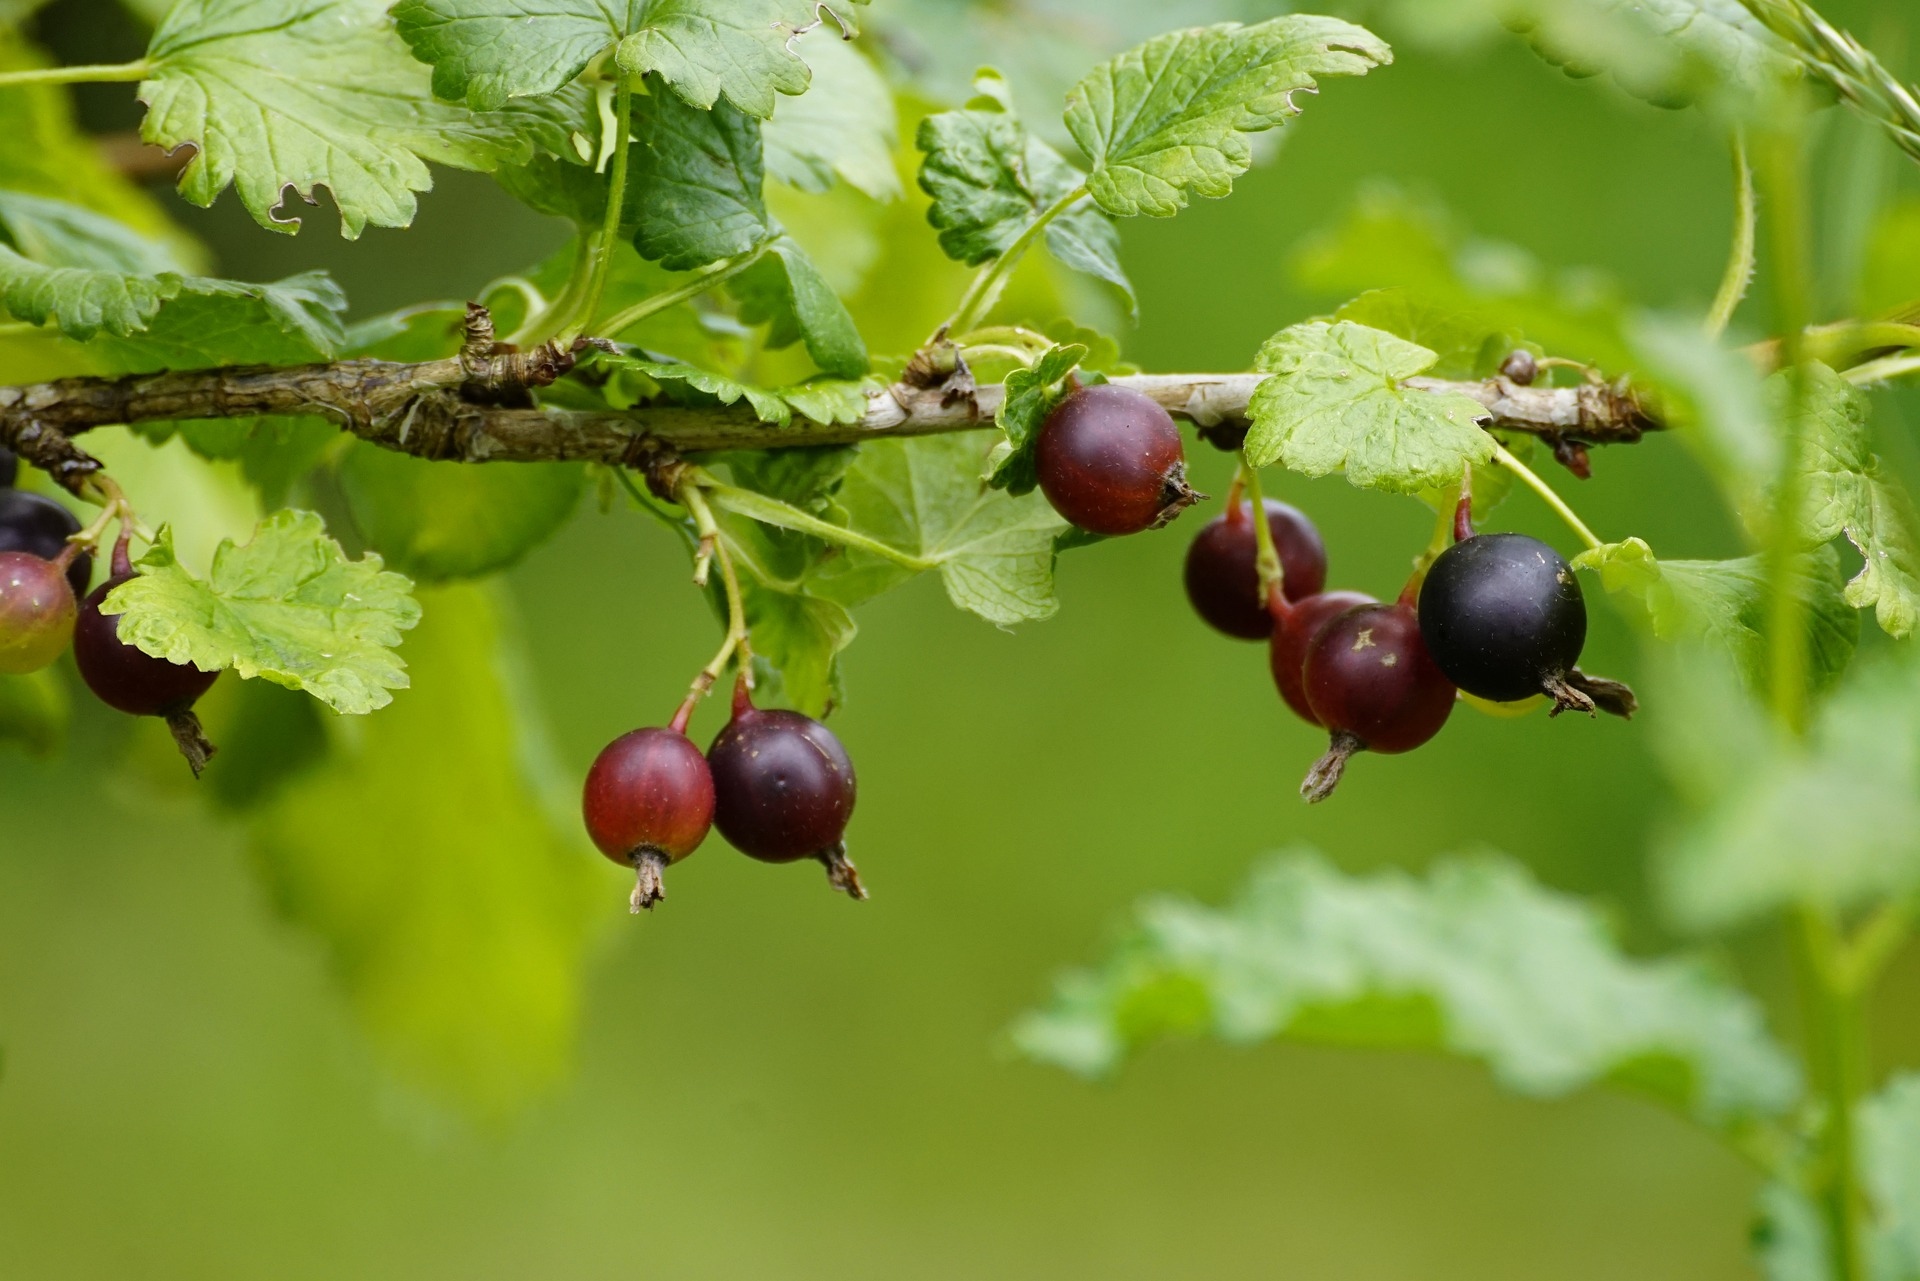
(1724, 604)
(422, 855)
(797, 638)
(1832, 819)
(288, 606)
(441, 520)
(1789, 1236)
(843, 127)
(1030, 394)
(1334, 403)
(926, 497)
(1847, 490)
(1167, 119)
(1476, 959)
(279, 94)
(55, 233)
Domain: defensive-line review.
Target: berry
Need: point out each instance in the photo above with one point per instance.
(1223, 579)
(648, 803)
(36, 612)
(9, 469)
(1109, 460)
(40, 527)
(1287, 651)
(784, 789)
(130, 680)
(1370, 680)
(1503, 616)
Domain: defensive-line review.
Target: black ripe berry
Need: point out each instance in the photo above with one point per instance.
(784, 789)
(1109, 460)
(9, 468)
(1223, 580)
(130, 680)
(1299, 624)
(648, 803)
(1370, 680)
(40, 527)
(1504, 618)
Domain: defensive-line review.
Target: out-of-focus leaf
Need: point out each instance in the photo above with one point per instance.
(1724, 604)
(1476, 960)
(1831, 820)
(993, 551)
(288, 606)
(1714, 397)
(1890, 279)
(1848, 491)
(842, 127)
(1890, 1159)
(1334, 403)
(34, 711)
(1168, 118)
(1789, 1237)
(420, 853)
(441, 520)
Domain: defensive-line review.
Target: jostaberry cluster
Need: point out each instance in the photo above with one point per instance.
(779, 786)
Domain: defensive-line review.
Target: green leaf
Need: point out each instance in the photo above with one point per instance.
(842, 127)
(34, 711)
(272, 94)
(1724, 604)
(442, 520)
(1832, 820)
(55, 233)
(1789, 1236)
(1848, 491)
(1466, 341)
(1713, 396)
(694, 183)
(487, 51)
(1167, 118)
(823, 401)
(799, 636)
(1890, 1161)
(787, 293)
(455, 911)
(288, 606)
(1030, 395)
(991, 180)
(994, 551)
(1475, 960)
(1335, 403)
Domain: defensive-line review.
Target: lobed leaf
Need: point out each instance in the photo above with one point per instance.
(1848, 491)
(1167, 118)
(694, 183)
(823, 401)
(451, 894)
(1476, 960)
(1030, 395)
(278, 94)
(1335, 402)
(288, 606)
(842, 128)
(787, 293)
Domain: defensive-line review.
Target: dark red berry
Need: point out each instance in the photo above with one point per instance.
(784, 789)
(1504, 617)
(1223, 578)
(9, 468)
(130, 680)
(1370, 680)
(40, 527)
(1109, 460)
(36, 612)
(648, 803)
(1287, 650)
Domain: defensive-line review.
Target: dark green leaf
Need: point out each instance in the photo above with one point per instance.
(786, 292)
(694, 183)
(1031, 395)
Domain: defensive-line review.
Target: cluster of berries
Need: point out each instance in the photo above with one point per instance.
(778, 785)
(45, 607)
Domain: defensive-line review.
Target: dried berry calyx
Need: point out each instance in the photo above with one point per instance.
(784, 789)
(1371, 682)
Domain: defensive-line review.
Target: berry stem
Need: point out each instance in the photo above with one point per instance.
(724, 270)
(984, 290)
(1740, 260)
(736, 645)
(1267, 560)
(1540, 487)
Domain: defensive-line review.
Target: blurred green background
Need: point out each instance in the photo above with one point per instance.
(773, 1082)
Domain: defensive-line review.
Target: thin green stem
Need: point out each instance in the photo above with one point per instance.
(1885, 369)
(722, 271)
(1740, 259)
(96, 73)
(616, 206)
(1267, 556)
(1540, 487)
(985, 288)
(771, 511)
(549, 320)
(1837, 1053)
(1875, 942)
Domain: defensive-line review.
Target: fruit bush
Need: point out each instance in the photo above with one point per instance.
(689, 358)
